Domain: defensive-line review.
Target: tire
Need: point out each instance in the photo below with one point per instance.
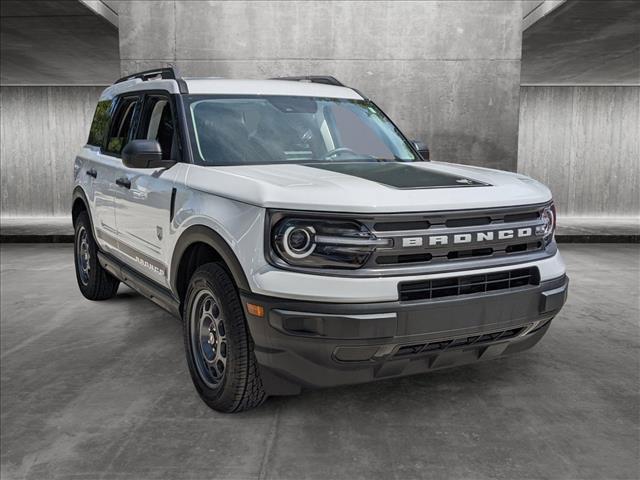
(218, 344)
(94, 281)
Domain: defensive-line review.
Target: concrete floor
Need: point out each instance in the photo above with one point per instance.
(101, 390)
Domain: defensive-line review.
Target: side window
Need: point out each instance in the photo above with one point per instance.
(122, 125)
(100, 123)
(157, 123)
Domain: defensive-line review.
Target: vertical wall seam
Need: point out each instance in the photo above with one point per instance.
(175, 33)
(50, 159)
(571, 208)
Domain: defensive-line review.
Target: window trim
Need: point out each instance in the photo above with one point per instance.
(174, 113)
(115, 106)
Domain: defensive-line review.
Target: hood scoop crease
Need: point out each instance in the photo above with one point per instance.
(398, 175)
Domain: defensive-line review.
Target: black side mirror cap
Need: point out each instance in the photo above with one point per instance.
(422, 148)
(144, 154)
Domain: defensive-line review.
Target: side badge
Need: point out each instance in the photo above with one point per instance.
(159, 232)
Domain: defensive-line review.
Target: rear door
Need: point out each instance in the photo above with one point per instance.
(121, 114)
(143, 208)
(93, 170)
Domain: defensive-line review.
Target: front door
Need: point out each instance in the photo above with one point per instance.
(143, 206)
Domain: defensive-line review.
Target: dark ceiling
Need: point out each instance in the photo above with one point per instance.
(584, 42)
(56, 43)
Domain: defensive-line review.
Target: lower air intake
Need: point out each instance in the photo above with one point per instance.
(468, 284)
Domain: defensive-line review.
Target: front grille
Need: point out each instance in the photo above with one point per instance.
(468, 284)
(445, 237)
(447, 344)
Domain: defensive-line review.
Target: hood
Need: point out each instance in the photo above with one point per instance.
(369, 187)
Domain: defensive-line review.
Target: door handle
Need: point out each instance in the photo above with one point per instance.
(123, 182)
(92, 173)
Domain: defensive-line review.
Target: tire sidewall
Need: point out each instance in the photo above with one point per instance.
(224, 393)
(83, 222)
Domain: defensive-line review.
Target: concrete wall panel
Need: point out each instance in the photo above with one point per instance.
(42, 129)
(583, 142)
(147, 30)
(56, 43)
(348, 30)
(447, 72)
(466, 111)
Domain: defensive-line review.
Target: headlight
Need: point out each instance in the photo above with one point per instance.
(322, 243)
(298, 241)
(548, 226)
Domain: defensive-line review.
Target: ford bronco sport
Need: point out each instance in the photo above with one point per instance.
(302, 239)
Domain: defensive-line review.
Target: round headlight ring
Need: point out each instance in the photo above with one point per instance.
(298, 242)
(548, 217)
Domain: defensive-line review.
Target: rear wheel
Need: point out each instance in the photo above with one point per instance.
(218, 344)
(94, 281)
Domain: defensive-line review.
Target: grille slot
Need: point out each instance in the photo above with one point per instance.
(521, 217)
(401, 226)
(468, 284)
(523, 247)
(441, 345)
(467, 222)
(407, 258)
(476, 252)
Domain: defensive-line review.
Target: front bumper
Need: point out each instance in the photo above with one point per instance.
(274, 282)
(300, 344)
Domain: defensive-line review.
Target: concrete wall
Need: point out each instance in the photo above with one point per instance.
(583, 142)
(447, 72)
(56, 42)
(42, 128)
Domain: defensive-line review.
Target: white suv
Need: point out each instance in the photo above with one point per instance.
(302, 239)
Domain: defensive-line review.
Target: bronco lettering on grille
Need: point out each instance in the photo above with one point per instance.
(469, 238)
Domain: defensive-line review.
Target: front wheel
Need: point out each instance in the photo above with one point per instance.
(94, 281)
(218, 344)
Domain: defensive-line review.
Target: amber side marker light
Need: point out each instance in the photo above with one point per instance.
(255, 310)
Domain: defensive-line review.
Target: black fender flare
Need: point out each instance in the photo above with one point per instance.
(206, 235)
(78, 193)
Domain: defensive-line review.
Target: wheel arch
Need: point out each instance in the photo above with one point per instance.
(79, 203)
(197, 245)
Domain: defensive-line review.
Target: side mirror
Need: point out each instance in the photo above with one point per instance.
(422, 148)
(144, 154)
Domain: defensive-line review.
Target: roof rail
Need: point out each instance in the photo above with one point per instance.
(165, 73)
(168, 73)
(326, 79)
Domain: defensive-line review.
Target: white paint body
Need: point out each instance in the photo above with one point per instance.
(232, 201)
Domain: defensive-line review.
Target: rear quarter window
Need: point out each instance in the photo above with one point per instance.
(100, 123)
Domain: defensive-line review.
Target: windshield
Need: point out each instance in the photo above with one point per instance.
(279, 129)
